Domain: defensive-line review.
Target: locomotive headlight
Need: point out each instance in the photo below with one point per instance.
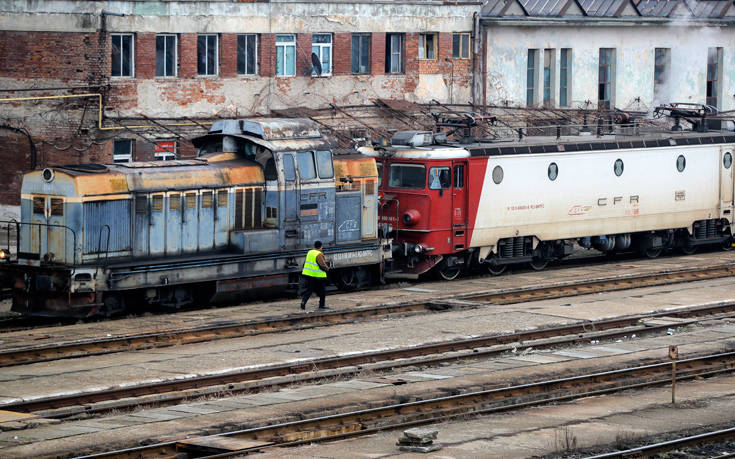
(411, 217)
(418, 248)
(4, 255)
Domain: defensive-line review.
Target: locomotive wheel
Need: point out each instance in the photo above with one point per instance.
(687, 249)
(494, 268)
(653, 253)
(726, 244)
(448, 272)
(538, 264)
(347, 279)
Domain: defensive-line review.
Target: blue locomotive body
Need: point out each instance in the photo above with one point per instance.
(96, 239)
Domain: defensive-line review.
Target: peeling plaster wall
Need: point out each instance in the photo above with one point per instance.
(634, 62)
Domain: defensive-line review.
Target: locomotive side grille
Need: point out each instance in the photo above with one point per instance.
(157, 205)
(238, 209)
(248, 203)
(248, 223)
(207, 199)
(222, 198)
(257, 217)
(174, 201)
(191, 200)
(141, 203)
(369, 187)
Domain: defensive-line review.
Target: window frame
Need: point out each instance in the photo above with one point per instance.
(215, 51)
(279, 43)
(243, 55)
(301, 156)
(457, 45)
(175, 60)
(391, 56)
(425, 49)
(360, 37)
(319, 157)
(549, 77)
(713, 85)
(606, 87)
(131, 57)
(122, 158)
(532, 58)
(565, 76)
(322, 47)
(458, 176)
(661, 70)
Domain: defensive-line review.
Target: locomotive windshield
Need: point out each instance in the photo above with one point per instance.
(407, 176)
(439, 178)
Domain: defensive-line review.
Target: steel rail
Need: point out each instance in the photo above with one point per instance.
(250, 380)
(361, 422)
(655, 448)
(298, 321)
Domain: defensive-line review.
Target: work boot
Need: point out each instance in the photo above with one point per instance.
(303, 305)
(324, 307)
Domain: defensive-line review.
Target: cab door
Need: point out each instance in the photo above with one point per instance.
(459, 205)
(290, 202)
(442, 208)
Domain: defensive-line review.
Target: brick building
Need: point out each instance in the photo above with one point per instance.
(132, 81)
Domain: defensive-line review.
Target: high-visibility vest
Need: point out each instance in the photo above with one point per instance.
(311, 267)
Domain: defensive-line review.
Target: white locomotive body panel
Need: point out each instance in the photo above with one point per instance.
(587, 197)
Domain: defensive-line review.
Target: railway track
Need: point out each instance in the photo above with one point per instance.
(253, 380)
(107, 345)
(430, 410)
(672, 445)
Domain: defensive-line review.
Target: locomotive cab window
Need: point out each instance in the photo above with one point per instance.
(459, 177)
(324, 164)
(305, 162)
(39, 206)
(289, 170)
(407, 176)
(439, 178)
(380, 173)
(57, 207)
(727, 160)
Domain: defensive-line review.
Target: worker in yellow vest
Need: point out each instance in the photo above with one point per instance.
(315, 274)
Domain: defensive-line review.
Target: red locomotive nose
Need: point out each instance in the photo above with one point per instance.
(411, 217)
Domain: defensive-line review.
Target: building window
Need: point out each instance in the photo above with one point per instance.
(549, 58)
(122, 55)
(531, 76)
(394, 53)
(207, 55)
(166, 55)
(247, 54)
(427, 46)
(661, 65)
(461, 46)
(360, 53)
(714, 65)
(123, 151)
(605, 86)
(321, 46)
(285, 55)
(565, 77)
(165, 150)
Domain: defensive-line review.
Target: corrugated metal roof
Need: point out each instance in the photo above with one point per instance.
(613, 8)
(656, 8)
(544, 7)
(708, 9)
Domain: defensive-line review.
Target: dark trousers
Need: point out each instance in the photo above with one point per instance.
(314, 285)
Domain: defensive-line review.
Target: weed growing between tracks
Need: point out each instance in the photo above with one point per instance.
(564, 440)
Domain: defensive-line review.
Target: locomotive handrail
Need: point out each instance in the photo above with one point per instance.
(99, 244)
(17, 234)
(47, 225)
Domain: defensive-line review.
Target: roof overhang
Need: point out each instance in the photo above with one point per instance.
(525, 21)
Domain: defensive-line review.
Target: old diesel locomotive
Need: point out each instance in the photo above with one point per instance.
(95, 238)
(493, 204)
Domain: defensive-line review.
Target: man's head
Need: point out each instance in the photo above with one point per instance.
(318, 245)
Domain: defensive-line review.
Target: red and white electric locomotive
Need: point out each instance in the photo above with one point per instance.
(452, 206)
